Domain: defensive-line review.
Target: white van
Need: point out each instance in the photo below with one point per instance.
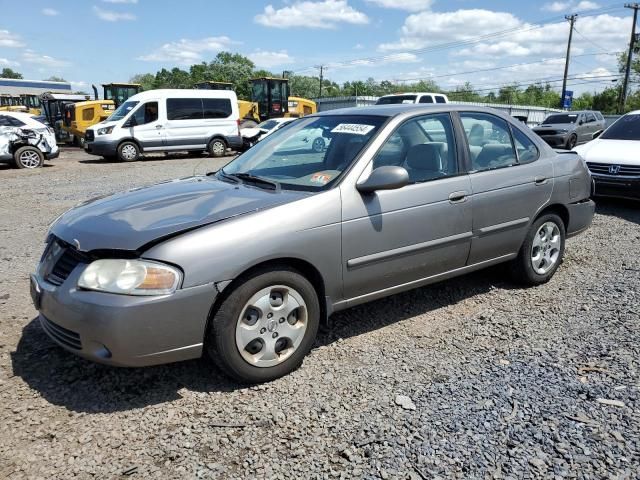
(168, 121)
(412, 98)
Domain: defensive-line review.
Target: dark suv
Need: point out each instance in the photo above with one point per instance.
(566, 130)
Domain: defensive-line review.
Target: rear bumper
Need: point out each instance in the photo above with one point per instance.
(617, 186)
(580, 216)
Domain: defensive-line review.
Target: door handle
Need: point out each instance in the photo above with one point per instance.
(458, 197)
(540, 180)
(158, 127)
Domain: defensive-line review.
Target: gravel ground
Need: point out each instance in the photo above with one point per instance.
(471, 378)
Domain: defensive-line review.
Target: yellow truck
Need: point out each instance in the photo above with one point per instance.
(82, 115)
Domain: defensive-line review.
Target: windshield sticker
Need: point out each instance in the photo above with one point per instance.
(321, 178)
(354, 128)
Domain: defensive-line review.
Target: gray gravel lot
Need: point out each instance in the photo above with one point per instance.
(502, 382)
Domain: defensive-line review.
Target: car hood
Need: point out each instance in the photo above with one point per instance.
(620, 152)
(135, 218)
(105, 123)
(556, 126)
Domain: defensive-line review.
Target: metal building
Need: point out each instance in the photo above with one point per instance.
(10, 86)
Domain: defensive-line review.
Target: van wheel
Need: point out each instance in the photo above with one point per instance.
(542, 251)
(28, 157)
(128, 152)
(217, 148)
(265, 327)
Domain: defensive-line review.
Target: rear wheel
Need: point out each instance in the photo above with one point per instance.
(28, 157)
(542, 251)
(128, 152)
(217, 148)
(265, 327)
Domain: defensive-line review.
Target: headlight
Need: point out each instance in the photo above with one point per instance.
(105, 130)
(130, 277)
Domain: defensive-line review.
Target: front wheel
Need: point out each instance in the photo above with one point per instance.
(217, 148)
(542, 251)
(265, 327)
(128, 152)
(28, 157)
(572, 142)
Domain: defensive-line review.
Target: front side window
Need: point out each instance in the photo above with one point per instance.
(310, 154)
(424, 146)
(146, 113)
(216, 107)
(184, 109)
(7, 121)
(591, 117)
(527, 151)
(489, 139)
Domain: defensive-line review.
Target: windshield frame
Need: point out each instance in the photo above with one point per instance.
(636, 118)
(273, 137)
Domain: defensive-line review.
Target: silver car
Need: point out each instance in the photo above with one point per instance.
(246, 262)
(566, 130)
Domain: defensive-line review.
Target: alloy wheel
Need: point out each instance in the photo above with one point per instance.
(545, 250)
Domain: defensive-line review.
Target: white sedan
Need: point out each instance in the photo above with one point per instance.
(314, 142)
(614, 158)
(24, 141)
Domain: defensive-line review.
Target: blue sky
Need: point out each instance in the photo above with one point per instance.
(98, 41)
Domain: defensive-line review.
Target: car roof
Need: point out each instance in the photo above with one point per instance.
(411, 108)
(413, 93)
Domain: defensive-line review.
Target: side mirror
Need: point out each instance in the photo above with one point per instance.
(580, 122)
(597, 134)
(132, 122)
(388, 177)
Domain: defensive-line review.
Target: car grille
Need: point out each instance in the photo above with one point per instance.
(89, 136)
(542, 133)
(64, 336)
(64, 264)
(613, 169)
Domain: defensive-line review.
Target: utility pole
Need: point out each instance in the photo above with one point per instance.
(572, 20)
(623, 92)
(321, 68)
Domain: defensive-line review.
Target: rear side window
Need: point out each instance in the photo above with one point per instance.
(184, 109)
(489, 140)
(216, 107)
(426, 99)
(440, 99)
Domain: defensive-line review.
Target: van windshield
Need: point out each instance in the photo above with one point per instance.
(310, 154)
(122, 111)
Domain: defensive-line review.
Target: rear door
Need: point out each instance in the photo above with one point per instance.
(510, 183)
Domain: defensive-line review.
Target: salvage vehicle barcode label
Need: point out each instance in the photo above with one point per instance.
(354, 128)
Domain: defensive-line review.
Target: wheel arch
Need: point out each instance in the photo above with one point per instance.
(305, 268)
(217, 136)
(557, 208)
(129, 139)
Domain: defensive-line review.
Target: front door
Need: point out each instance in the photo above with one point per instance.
(510, 183)
(146, 128)
(396, 237)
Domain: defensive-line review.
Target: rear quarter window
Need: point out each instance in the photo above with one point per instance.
(216, 107)
(440, 99)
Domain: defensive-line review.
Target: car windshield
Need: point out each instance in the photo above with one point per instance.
(563, 118)
(396, 99)
(122, 111)
(267, 125)
(626, 128)
(310, 154)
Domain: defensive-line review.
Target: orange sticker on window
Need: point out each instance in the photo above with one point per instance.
(322, 178)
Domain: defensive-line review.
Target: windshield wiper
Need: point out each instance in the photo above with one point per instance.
(225, 175)
(248, 178)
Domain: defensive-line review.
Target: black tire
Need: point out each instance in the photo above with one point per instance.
(28, 157)
(128, 152)
(221, 338)
(78, 141)
(318, 145)
(522, 268)
(572, 142)
(217, 148)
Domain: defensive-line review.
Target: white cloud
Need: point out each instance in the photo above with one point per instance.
(121, 1)
(570, 6)
(29, 56)
(5, 62)
(10, 40)
(409, 5)
(188, 51)
(308, 14)
(111, 16)
(50, 12)
(266, 59)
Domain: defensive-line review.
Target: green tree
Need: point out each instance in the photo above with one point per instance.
(146, 80)
(53, 78)
(9, 73)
